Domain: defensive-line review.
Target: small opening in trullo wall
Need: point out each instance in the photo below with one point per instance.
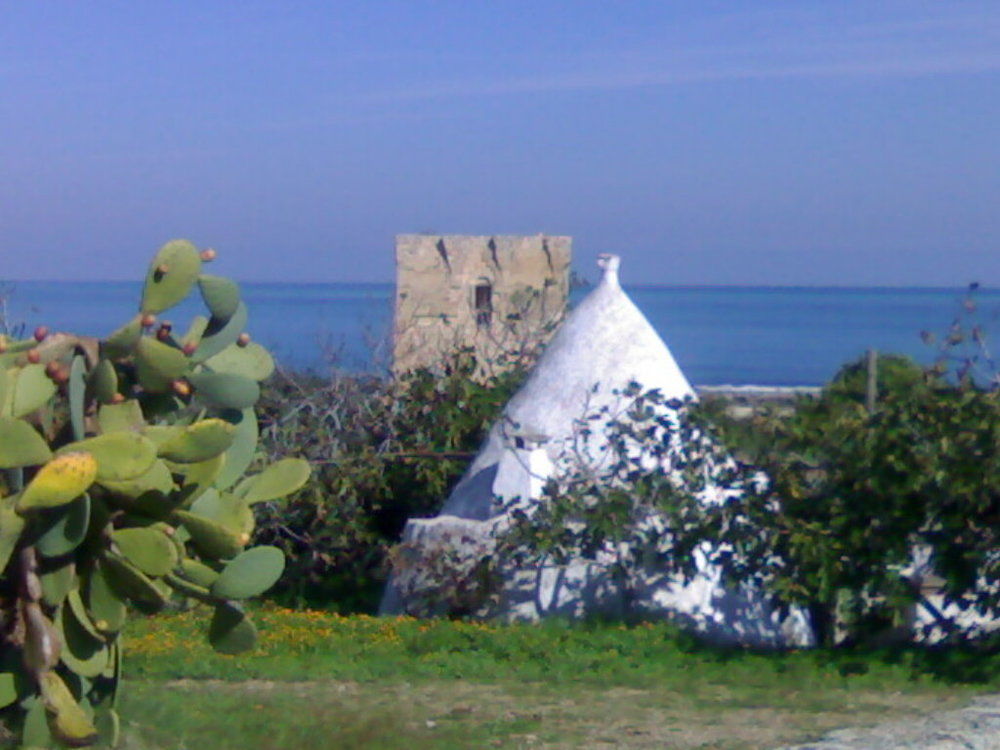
(484, 304)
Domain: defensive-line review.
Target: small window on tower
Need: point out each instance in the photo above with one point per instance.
(484, 304)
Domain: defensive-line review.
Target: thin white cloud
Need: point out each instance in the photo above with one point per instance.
(751, 47)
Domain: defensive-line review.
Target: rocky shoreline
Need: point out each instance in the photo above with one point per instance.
(743, 401)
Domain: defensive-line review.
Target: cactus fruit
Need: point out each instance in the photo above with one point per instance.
(41, 333)
(208, 255)
(134, 500)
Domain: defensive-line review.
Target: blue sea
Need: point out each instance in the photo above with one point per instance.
(719, 335)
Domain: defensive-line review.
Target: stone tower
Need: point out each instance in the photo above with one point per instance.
(492, 294)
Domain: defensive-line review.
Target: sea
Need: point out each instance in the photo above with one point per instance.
(766, 336)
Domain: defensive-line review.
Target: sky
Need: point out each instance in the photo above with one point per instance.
(823, 142)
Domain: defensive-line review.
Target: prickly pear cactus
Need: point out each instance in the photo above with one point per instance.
(122, 486)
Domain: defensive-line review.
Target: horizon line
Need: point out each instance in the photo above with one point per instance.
(964, 287)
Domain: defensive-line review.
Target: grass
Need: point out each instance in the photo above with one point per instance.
(322, 680)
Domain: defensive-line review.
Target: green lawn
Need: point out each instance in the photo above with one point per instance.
(320, 680)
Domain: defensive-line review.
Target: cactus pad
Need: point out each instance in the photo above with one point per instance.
(222, 296)
(32, 389)
(231, 631)
(225, 509)
(77, 391)
(11, 526)
(211, 538)
(156, 479)
(58, 482)
(202, 441)
(252, 361)
(219, 334)
(21, 445)
(250, 573)
(57, 583)
(240, 454)
(119, 455)
(277, 480)
(82, 652)
(173, 272)
(68, 530)
(122, 342)
(158, 364)
(131, 583)
(198, 573)
(103, 381)
(68, 722)
(224, 390)
(147, 548)
(123, 417)
(106, 608)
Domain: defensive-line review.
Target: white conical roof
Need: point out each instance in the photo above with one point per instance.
(604, 344)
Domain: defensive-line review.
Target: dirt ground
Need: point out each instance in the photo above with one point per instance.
(537, 716)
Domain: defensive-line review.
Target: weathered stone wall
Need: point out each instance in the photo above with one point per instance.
(491, 293)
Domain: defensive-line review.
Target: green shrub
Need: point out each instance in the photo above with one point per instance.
(384, 451)
(850, 499)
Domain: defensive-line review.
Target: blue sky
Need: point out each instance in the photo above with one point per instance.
(841, 143)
